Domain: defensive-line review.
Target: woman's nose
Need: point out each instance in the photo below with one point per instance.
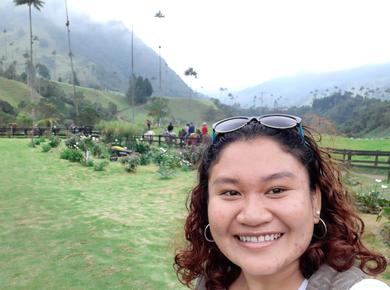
(254, 211)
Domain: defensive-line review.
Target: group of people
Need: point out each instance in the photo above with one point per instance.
(270, 212)
(192, 136)
(189, 135)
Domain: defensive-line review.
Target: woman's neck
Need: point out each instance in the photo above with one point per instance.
(289, 279)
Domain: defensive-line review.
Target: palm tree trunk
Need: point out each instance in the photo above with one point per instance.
(31, 77)
(75, 101)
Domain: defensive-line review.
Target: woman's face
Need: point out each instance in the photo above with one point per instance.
(261, 211)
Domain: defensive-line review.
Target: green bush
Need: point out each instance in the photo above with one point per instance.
(192, 154)
(36, 141)
(87, 163)
(168, 161)
(385, 232)
(73, 155)
(54, 141)
(46, 147)
(131, 162)
(371, 202)
(100, 165)
(146, 158)
(141, 147)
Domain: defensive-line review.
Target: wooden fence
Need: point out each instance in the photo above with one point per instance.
(363, 158)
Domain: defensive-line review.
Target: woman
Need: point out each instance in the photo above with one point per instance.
(270, 212)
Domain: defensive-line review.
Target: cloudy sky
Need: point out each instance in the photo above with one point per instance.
(237, 44)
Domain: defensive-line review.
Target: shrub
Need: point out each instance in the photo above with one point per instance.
(46, 147)
(87, 163)
(146, 158)
(141, 147)
(100, 165)
(73, 155)
(385, 232)
(167, 162)
(54, 141)
(131, 162)
(193, 155)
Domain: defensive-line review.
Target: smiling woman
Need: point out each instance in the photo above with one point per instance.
(270, 212)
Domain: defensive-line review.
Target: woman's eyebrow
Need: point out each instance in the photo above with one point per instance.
(278, 175)
(266, 178)
(225, 180)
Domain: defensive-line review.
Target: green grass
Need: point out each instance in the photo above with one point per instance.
(93, 95)
(13, 91)
(64, 226)
(339, 142)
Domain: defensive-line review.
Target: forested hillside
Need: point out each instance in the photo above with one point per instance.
(101, 51)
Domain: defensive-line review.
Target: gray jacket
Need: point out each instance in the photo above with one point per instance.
(325, 278)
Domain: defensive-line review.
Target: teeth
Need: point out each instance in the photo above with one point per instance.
(259, 239)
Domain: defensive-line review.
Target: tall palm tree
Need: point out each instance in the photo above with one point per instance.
(75, 100)
(38, 4)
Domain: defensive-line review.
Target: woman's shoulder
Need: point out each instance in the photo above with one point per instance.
(354, 279)
(370, 284)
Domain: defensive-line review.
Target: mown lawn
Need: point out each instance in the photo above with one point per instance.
(371, 144)
(64, 226)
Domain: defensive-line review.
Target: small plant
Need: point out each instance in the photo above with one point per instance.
(46, 147)
(373, 201)
(185, 165)
(385, 232)
(192, 154)
(73, 155)
(141, 147)
(100, 165)
(167, 162)
(131, 162)
(146, 158)
(54, 141)
(87, 163)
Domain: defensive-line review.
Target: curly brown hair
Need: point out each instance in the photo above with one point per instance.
(341, 248)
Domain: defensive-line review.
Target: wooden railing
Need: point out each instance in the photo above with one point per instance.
(363, 158)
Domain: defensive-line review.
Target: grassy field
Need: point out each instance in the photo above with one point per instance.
(340, 142)
(13, 92)
(64, 226)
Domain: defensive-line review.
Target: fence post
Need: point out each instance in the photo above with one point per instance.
(376, 159)
(349, 159)
(388, 172)
(159, 140)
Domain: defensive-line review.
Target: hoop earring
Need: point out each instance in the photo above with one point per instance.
(324, 230)
(205, 234)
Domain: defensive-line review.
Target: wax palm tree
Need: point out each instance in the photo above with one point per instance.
(76, 100)
(38, 4)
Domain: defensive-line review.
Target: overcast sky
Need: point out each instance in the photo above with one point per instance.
(241, 43)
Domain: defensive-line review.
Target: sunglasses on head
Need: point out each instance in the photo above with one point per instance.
(274, 121)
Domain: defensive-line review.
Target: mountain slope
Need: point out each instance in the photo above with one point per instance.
(102, 52)
(299, 90)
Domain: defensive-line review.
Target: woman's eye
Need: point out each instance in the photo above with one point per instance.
(276, 190)
(230, 193)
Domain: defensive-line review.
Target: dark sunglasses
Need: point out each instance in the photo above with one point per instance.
(274, 121)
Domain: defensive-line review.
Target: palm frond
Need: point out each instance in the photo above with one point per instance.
(38, 4)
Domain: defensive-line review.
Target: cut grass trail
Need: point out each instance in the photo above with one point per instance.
(64, 226)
